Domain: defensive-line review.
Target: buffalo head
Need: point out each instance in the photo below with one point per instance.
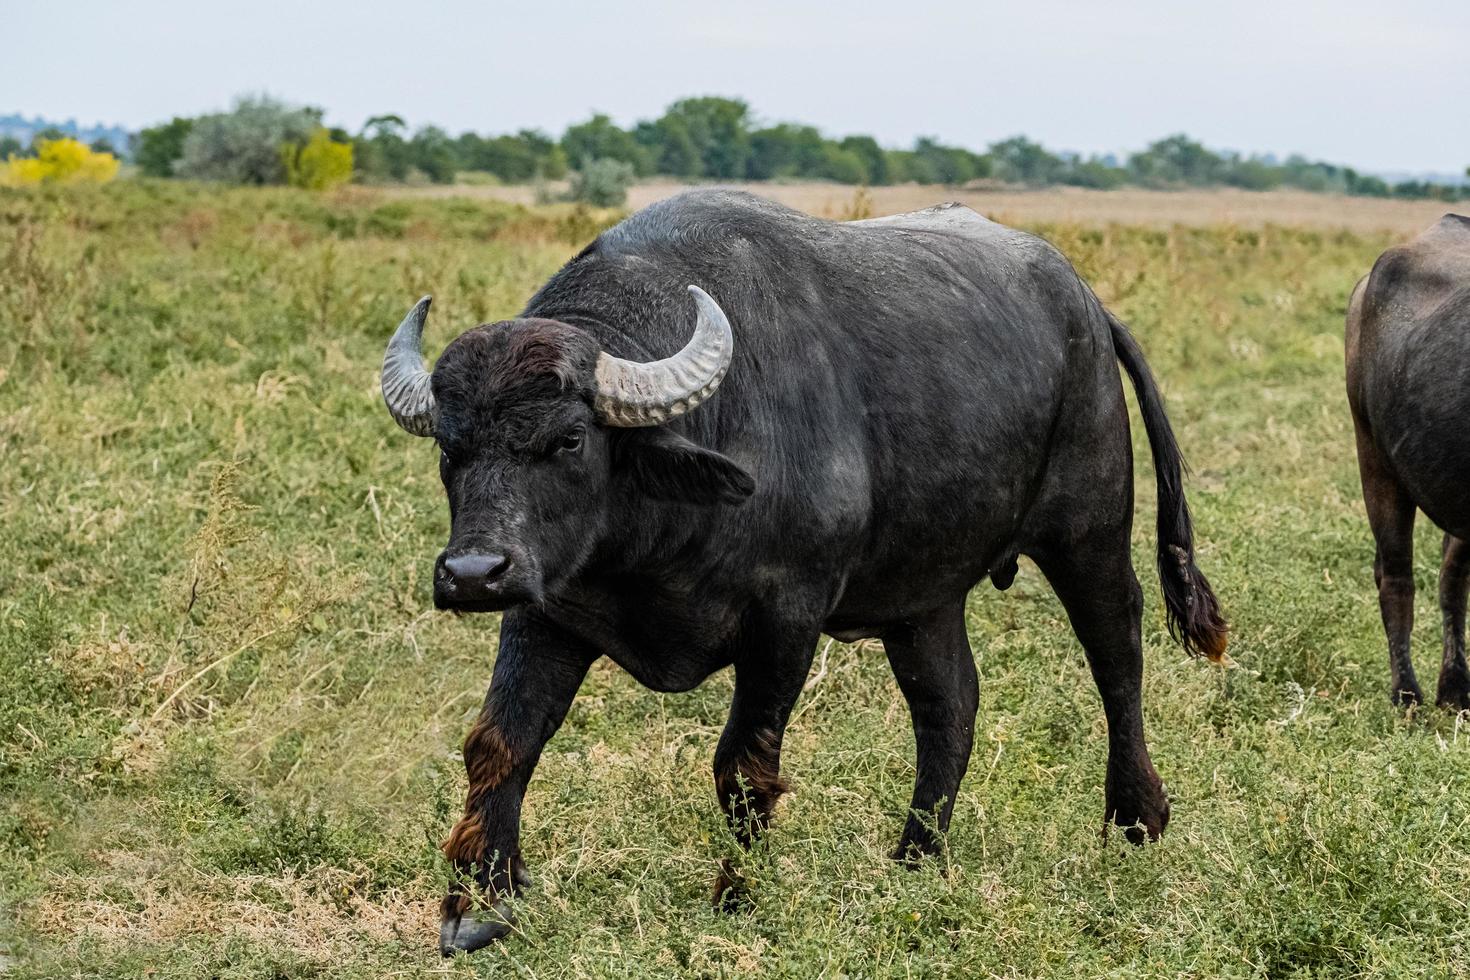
(540, 433)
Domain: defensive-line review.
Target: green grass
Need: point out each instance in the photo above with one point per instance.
(229, 721)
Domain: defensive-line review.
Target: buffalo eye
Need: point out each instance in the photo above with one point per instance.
(571, 442)
(451, 455)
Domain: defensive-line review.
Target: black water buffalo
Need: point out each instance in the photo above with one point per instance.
(904, 406)
(1408, 382)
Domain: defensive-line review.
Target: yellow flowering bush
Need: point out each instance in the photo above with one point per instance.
(63, 161)
(321, 164)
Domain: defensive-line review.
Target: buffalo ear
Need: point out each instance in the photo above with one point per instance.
(666, 466)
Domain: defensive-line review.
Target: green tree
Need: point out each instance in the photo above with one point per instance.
(1022, 161)
(381, 152)
(506, 157)
(390, 122)
(515, 159)
(1365, 184)
(157, 148)
(934, 163)
(1424, 190)
(432, 152)
(1301, 172)
(900, 166)
(785, 150)
(875, 161)
(599, 138)
(551, 159)
(469, 150)
(670, 147)
(719, 129)
(1176, 159)
(9, 146)
(843, 166)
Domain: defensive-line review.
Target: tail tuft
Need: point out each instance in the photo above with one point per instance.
(1190, 605)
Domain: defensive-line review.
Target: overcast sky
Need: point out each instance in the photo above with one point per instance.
(1382, 86)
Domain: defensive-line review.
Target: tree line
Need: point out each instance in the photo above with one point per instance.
(259, 141)
(710, 138)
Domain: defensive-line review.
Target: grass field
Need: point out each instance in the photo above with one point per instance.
(229, 720)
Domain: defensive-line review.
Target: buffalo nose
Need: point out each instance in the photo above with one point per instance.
(476, 570)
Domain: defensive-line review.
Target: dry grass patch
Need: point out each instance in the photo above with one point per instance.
(1052, 205)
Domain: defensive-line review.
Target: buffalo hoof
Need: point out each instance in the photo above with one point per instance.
(1454, 686)
(1455, 699)
(728, 893)
(725, 892)
(465, 933)
(1142, 814)
(1137, 834)
(913, 854)
(1406, 696)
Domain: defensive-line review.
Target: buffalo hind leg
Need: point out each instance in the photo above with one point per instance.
(935, 669)
(1454, 582)
(747, 766)
(1391, 516)
(537, 673)
(1097, 587)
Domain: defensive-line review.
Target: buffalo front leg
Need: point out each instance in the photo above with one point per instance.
(537, 673)
(1454, 582)
(935, 669)
(748, 758)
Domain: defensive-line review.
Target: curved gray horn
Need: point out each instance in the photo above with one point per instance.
(405, 382)
(631, 394)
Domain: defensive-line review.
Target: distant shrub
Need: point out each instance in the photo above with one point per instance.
(843, 166)
(157, 148)
(321, 164)
(1251, 174)
(603, 182)
(243, 146)
(1092, 172)
(1365, 185)
(59, 161)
